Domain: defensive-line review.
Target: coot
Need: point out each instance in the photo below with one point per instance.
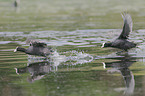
(16, 3)
(121, 42)
(36, 48)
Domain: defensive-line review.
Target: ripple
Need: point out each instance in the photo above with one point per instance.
(79, 38)
(61, 37)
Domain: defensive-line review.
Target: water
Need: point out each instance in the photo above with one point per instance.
(76, 31)
(78, 65)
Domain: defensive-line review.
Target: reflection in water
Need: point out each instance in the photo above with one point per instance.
(122, 66)
(38, 66)
(17, 5)
(37, 70)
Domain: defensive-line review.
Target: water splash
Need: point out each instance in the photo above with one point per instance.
(56, 59)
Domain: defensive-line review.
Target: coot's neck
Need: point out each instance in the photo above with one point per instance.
(21, 49)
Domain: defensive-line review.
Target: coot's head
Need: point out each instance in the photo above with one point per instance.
(106, 45)
(20, 49)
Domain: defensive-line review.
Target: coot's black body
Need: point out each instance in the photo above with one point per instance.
(121, 42)
(16, 3)
(36, 48)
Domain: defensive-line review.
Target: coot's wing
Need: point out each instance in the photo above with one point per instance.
(35, 43)
(38, 44)
(127, 28)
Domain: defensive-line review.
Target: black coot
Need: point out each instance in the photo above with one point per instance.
(36, 48)
(121, 42)
(16, 3)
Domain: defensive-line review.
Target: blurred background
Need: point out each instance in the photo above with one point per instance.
(68, 14)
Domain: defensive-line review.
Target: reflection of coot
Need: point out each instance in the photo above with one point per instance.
(122, 67)
(37, 70)
(124, 62)
(121, 42)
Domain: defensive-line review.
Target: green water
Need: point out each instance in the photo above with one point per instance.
(76, 31)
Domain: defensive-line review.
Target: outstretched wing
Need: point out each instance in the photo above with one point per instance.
(36, 43)
(127, 28)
